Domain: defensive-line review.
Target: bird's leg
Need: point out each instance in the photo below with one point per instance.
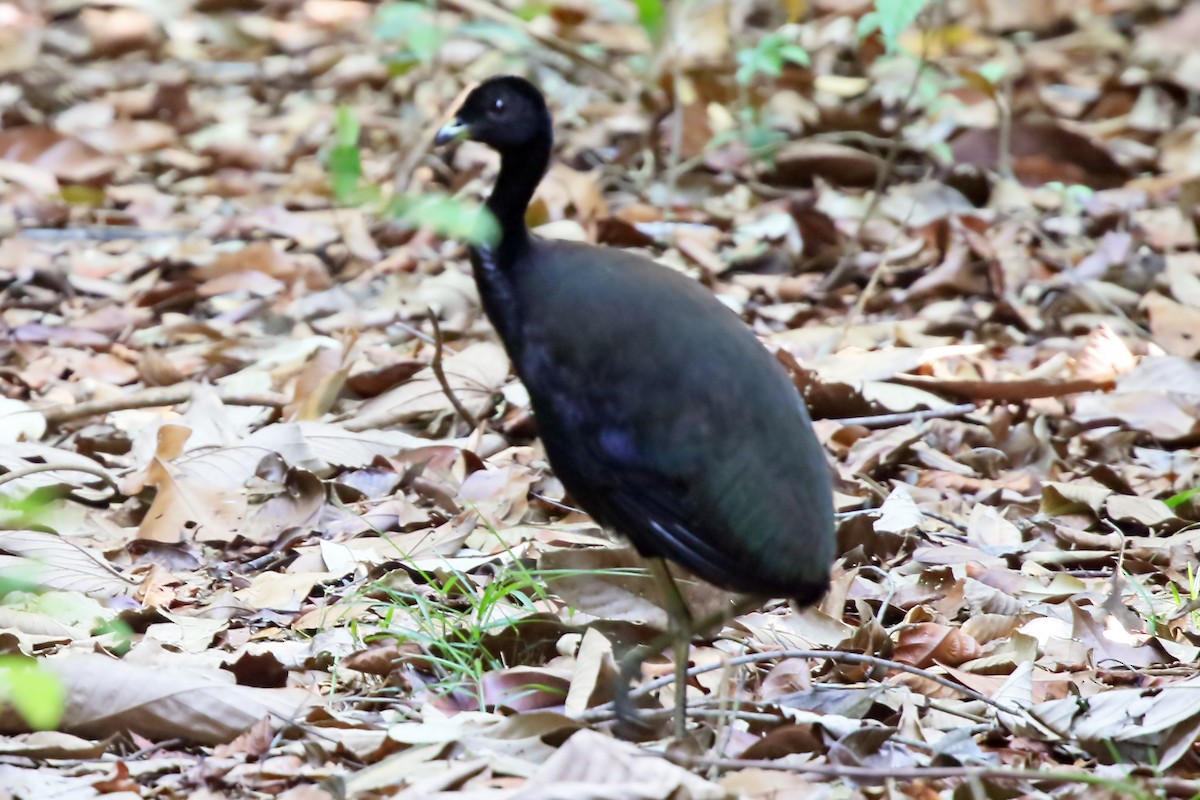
(681, 628)
(679, 635)
(631, 662)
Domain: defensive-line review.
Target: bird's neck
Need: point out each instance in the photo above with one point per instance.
(520, 172)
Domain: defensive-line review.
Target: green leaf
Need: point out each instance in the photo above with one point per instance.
(1177, 500)
(992, 71)
(652, 17)
(36, 694)
(78, 195)
(346, 128)
(867, 24)
(894, 17)
(770, 54)
(795, 54)
(1079, 193)
(414, 27)
(447, 216)
(496, 33)
(395, 20)
(942, 152)
(530, 11)
(424, 42)
(345, 159)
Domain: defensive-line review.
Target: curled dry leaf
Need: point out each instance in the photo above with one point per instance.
(929, 643)
(1042, 153)
(1123, 723)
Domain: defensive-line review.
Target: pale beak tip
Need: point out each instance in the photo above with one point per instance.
(453, 131)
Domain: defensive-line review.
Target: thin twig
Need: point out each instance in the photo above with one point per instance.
(926, 773)
(497, 13)
(839, 656)
(881, 180)
(153, 398)
(34, 469)
(152, 748)
(904, 417)
(440, 374)
(860, 305)
(675, 14)
(721, 713)
(1009, 391)
(945, 521)
(99, 233)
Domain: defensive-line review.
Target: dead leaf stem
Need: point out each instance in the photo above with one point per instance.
(673, 155)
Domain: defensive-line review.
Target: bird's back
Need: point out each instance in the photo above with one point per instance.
(668, 421)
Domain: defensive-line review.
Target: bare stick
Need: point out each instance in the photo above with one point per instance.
(881, 180)
(904, 417)
(33, 469)
(153, 398)
(840, 656)
(440, 374)
(497, 13)
(931, 773)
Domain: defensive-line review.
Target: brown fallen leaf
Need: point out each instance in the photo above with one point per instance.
(65, 158)
(1008, 391)
(604, 768)
(187, 497)
(1042, 152)
(928, 643)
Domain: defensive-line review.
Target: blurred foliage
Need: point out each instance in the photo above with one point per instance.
(345, 159)
(890, 19)
(33, 692)
(419, 35)
(415, 29)
(446, 216)
(652, 16)
(771, 53)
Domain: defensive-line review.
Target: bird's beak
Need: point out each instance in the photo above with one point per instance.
(453, 131)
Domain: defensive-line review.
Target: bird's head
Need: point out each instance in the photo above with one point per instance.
(505, 113)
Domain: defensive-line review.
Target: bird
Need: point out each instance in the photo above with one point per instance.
(660, 411)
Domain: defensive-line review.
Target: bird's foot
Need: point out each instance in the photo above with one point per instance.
(631, 725)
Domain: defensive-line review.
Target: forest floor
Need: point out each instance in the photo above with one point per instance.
(254, 551)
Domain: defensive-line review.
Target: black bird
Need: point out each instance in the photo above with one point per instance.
(661, 413)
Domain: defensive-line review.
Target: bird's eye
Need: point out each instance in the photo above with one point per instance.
(498, 106)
